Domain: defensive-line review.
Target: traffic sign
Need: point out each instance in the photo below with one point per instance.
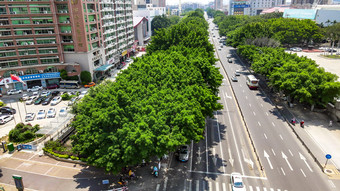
(328, 156)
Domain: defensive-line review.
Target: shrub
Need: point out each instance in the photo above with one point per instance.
(2, 104)
(23, 133)
(85, 77)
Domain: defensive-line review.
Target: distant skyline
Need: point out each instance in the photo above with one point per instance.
(203, 2)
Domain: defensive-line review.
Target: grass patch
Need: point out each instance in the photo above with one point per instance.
(332, 56)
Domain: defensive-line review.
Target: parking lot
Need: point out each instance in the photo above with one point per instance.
(47, 125)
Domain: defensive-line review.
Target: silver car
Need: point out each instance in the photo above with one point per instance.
(183, 153)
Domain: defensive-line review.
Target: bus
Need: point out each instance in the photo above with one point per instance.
(252, 82)
(69, 84)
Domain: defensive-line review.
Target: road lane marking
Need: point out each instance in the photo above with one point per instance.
(197, 185)
(190, 185)
(225, 174)
(217, 187)
(157, 187)
(273, 152)
(166, 183)
(192, 150)
(49, 170)
(290, 152)
(264, 189)
(267, 114)
(206, 148)
(224, 187)
(249, 105)
(331, 183)
(257, 188)
(303, 172)
(283, 171)
(265, 135)
(281, 137)
(267, 156)
(286, 159)
(254, 113)
(273, 124)
(210, 185)
(242, 91)
(246, 97)
(227, 96)
(259, 123)
(271, 189)
(185, 185)
(261, 105)
(304, 159)
(250, 188)
(219, 139)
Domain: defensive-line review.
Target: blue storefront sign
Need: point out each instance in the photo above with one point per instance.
(242, 6)
(40, 76)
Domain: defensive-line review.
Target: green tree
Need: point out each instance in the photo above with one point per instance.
(174, 19)
(85, 77)
(63, 74)
(159, 22)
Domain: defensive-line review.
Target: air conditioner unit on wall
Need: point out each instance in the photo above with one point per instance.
(51, 51)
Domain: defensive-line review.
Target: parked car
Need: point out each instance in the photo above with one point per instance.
(14, 91)
(229, 56)
(29, 101)
(296, 49)
(30, 117)
(236, 182)
(82, 94)
(36, 94)
(121, 65)
(55, 93)
(72, 101)
(0, 94)
(41, 114)
(38, 100)
(7, 110)
(230, 60)
(91, 84)
(234, 79)
(56, 100)
(45, 93)
(183, 153)
(63, 112)
(5, 118)
(34, 89)
(237, 73)
(47, 100)
(24, 97)
(128, 60)
(51, 113)
(331, 50)
(52, 86)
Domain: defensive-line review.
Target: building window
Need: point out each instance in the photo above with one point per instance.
(51, 69)
(31, 71)
(9, 72)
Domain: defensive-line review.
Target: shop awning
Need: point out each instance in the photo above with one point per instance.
(103, 68)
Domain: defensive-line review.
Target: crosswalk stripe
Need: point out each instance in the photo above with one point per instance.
(278, 189)
(190, 185)
(210, 185)
(197, 185)
(224, 187)
(250, 188)
(157, 187)
(264, 189)
(257, 188)
(271, 189)
(217, 187)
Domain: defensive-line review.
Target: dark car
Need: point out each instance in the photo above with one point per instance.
(331, 50)
(52, 86)
(55, 93)
(47, 100)
(183, 153)
(38, 101)
(121, 65)
(7, 110)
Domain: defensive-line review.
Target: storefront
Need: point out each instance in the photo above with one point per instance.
(31, 80)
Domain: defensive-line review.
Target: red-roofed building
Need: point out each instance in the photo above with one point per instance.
(140, 25)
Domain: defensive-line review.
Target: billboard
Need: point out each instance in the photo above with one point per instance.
(241, 6)
(300, 13)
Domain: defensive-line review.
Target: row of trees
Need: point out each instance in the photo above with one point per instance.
(162, 21)
(298, 77)
(159, 103)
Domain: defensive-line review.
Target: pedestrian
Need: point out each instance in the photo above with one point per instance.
(330, 123)
(293, 121)
(302, 123)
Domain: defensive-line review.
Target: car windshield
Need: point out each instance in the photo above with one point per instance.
(238, 184)
(50, 111)
(62, 110)
(41, 112)
(55, 99)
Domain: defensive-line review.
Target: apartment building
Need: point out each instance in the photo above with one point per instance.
(45, 36)
(218, 4)
(252, 7)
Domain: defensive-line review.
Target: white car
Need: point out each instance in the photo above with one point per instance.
(30, 117)
(25, 97)
(45, 93)
(63, 112)
(296, 49)
(82, 94)
(128, 60)
(36, 94)
(29, 101)
(56, 100)
(34, 89)
(41, 114)
(236, 182)
(5, 118)
(51, 113)
(237, 73)
(14, 91)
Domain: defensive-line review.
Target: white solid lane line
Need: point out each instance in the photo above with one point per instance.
(259, 123)
(331, 183)
(219, 139)
(254, 113)
(290, 152)
(261, 105)
(303, 172)
(265, 135)
(217, 187)
(157, 187)
(197, 185)
(272, 123)
(283, 171)
(224, 187)
(249, 105)
(267, 114)
(281, 137)
(273, 152)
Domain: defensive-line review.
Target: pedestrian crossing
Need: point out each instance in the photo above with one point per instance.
(204, 185)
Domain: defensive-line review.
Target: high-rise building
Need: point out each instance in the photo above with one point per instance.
(36, 35)
(218, 4)
(311, 2)
(155, 3)
(251, 7)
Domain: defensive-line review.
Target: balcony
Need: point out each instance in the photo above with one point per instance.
(63, 11)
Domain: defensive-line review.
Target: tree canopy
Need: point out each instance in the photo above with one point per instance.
(159, 22)
(157, 104)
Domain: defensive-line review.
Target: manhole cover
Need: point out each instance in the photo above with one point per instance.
(329, 171)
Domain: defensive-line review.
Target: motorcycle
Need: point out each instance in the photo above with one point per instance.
(155, 171)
